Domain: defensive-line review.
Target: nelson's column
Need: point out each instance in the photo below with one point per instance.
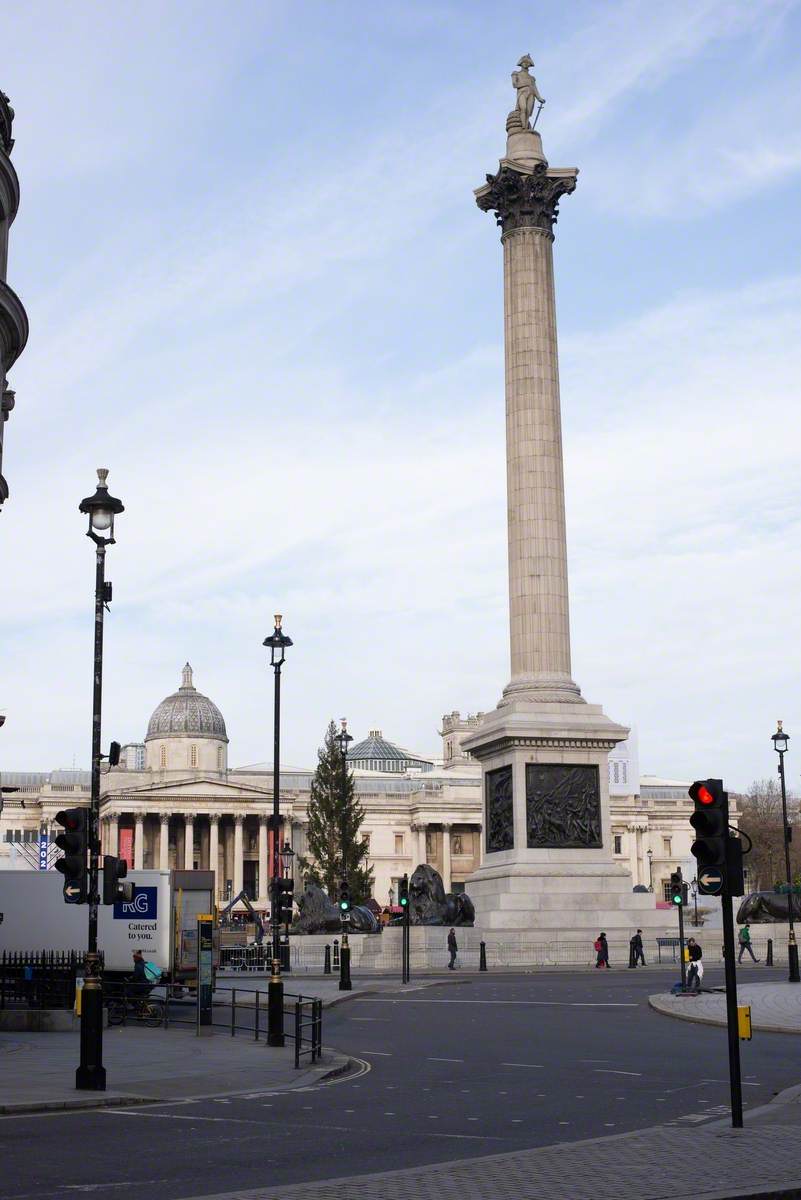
(547, 863)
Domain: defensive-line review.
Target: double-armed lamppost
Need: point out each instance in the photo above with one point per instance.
(780, 740)
(278, 643)
(650, 870)
(343, 737)
(101, 509)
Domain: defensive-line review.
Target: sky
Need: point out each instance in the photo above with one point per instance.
(261, 294)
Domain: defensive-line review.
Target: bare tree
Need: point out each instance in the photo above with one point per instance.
(761, 818)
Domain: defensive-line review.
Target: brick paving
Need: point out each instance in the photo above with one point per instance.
(648, 1165)
(775, 1007)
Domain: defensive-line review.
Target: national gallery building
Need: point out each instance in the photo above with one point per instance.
(174, 802)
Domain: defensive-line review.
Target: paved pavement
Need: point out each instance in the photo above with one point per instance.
(37, 1070)
(775, 1007)
(656, 1164)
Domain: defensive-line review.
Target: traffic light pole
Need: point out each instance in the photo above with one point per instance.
(405, 947)
(731, 1010)
(91, 1074)
(681, 939)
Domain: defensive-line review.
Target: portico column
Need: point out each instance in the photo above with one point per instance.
(446, 857)
(637, 864)
(421, 845)
(263, 870)
(139, 842)
(238, 854)
(189, 841)
(214, 850)
(164, 842)
(113, 838)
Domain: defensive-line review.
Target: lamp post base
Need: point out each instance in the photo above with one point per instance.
(345, 984)
(792, 958)
(91, 1074)
(275, 1007)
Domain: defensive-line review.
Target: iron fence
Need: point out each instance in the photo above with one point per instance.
(39, 979)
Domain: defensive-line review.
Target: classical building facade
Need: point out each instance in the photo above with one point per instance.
(13, 320)
(174, 802)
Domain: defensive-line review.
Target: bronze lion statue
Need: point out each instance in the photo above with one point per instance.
(429, 904)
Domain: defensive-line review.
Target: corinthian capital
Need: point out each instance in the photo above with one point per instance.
(526, 200)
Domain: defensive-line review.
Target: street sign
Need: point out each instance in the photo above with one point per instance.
(72, 893)
(710, 881)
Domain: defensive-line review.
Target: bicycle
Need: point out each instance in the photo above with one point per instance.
(149, 1012)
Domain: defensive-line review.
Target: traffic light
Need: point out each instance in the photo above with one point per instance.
(710, 820)
(735, 876)
(74, 841)
(286, 891)
(114, 754)
(115, 869)
(403, 892)
(677, 893)
(344, 898)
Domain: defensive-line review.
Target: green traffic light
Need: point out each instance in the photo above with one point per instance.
(344, 905)
(404, 901)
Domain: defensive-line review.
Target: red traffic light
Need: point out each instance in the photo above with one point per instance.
(72, 819)
(704, 796)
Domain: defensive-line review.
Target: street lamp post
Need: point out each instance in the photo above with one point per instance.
(287, 856)
(343, 737)
(278, 642)
(780, 740)
(694, 890)
(650, 871)
(101, 508)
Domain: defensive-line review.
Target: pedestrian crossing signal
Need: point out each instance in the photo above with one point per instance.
(344, 897)
(403, 892)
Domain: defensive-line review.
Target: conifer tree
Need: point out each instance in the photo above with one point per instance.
(335, 816)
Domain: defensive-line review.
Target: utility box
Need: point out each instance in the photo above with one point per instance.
(744, 1022)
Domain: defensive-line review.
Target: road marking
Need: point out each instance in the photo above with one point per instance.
(530, 1003)
(610, 1071)
(432, 1059)
(383, 1053)
(384, 1019)
(126, 1112)
(539, 1066)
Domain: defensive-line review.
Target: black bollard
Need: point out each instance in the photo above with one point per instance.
(327, 960)
(632, 955)
(482, 956)
(345, 984)
(91, 1074)
(769, 955)
(275, 1007)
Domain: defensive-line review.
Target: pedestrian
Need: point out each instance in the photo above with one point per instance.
(602, 950)
(745, 943)
(259, 930)
(638, 953)
(696, 972)
(452, 950)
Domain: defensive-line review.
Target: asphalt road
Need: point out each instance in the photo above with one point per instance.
(473, 1067)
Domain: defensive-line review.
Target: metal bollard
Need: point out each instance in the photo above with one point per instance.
(275, 1007)
(769, 954)
(482, 956)
(345, 984)
(327, 961)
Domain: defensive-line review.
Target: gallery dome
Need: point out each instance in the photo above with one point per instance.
(187, 713)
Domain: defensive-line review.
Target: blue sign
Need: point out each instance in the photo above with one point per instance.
(44, 845)
(710, 881)
(143, 907)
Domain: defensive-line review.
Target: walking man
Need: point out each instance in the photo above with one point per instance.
(452, 950)
(637, 948)
(696, 969)
(745, 944)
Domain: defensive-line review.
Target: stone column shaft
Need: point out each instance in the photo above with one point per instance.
(139, 842)
(238, 855)
(214, 851)
(446, 857)
(538, 603)
(189, 841)
(113, 844)
(164, 842)
(263, 869)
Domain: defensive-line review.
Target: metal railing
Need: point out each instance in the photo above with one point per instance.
(39, 979)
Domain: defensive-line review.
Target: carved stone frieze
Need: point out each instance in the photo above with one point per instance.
(525, 200)
(500, 810)
(563, 806)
